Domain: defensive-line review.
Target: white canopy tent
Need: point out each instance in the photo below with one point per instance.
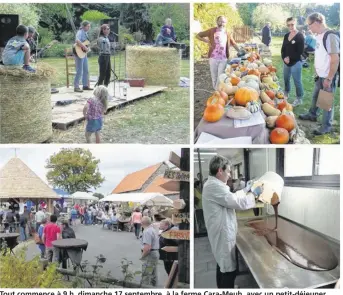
(83, 196)
(150, 199)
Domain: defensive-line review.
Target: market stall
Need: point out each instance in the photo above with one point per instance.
(20, 185)
(249, 103)
(81, 197)
(160, 205)
(149, 199)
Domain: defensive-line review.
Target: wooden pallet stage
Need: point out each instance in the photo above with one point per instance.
(71, 114)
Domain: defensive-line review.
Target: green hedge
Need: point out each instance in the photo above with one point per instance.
(57, 50)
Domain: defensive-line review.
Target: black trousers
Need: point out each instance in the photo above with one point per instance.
(168, 266)
(225, 280)
(104, 69)
(256, 211)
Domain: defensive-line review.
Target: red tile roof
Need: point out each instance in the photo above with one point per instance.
(163, 186)
(136, 180)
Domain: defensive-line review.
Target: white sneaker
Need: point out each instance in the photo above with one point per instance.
(297, 102)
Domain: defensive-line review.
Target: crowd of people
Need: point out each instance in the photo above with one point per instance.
(45, 228)
(295, 49)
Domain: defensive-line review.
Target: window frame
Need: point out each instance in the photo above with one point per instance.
(314, 181)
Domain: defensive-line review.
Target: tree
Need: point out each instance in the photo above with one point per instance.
(331, 13)
(274, 13)
(98, 195)
(54, 21)
(28, 14)
(94, 16)
(206, 14)
(74, 170)
(246, 11)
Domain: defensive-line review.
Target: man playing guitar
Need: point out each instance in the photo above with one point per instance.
(82, 63)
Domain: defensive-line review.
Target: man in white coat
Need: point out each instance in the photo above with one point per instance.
(219, 206)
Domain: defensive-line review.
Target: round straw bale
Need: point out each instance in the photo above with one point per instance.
(159, 66)
(25, 104)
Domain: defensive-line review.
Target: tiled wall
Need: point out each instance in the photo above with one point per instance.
(317, 209)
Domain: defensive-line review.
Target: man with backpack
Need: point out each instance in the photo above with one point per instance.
(326, 63)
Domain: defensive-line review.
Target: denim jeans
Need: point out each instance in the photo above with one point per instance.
(81, 65)
(294, 71)
(314, 110)
(23, 236)
(137, 229)
(52, 254)
(217, 67)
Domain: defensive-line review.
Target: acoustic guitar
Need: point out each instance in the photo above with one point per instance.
(79, 51)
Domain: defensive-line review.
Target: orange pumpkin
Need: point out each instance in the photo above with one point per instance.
(279, 136)
(254, 72)
(213, 113)
(270, 93)
(235, 80)
(245, 94)
(224, 96)
(284, 104)
(285, 121)
(214, 99)
(243, 69)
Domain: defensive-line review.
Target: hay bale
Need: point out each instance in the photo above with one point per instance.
(25, 104)
(159, 66)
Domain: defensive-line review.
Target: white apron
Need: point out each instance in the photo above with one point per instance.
(219, 206)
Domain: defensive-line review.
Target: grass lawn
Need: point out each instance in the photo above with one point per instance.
(159, 119)
(308, 84)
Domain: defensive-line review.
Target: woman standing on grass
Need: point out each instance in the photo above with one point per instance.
(105, 56)
(291, 51)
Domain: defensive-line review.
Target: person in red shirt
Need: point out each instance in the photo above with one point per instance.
(82, 213)
(51, 232)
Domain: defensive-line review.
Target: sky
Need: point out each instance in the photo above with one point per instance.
(115, 161)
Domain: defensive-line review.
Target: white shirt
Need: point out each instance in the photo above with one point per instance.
(321, 56)
(39, 216)
(219, 206)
